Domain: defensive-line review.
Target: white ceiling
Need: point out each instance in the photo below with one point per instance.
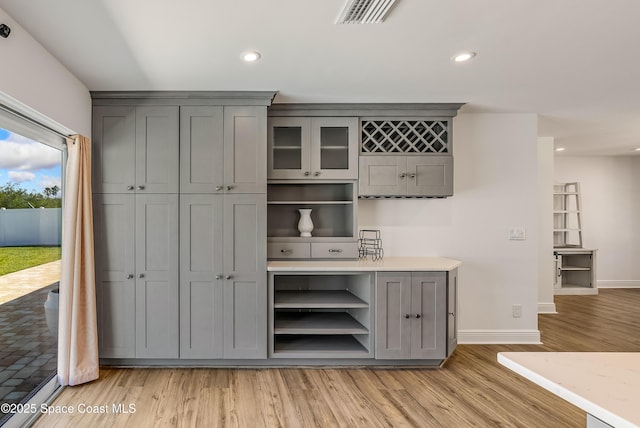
(576, 63)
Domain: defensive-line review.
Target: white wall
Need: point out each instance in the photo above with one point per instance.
(495, 188)
(33, 77)
(610, 213)
(546, 303)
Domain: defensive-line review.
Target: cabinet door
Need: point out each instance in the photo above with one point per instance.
(393, 307)
(201, 149)
(382, 176)
(288, 142)
(429, 175)
(115, 267)
(245, 270)
(334, 147)
(113, 151)
(157, 276)
(452, 311)
(157, 149)
(201, 304)
(245, 136)
(428, 315)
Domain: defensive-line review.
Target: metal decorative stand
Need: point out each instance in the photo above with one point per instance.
(370, 244)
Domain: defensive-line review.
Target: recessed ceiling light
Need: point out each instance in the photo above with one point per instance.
(252, 56)
(560, 149)
(636, 149)
(463, 56)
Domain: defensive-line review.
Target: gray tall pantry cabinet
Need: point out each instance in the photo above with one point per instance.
(178, 170)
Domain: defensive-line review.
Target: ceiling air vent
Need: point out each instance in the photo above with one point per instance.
(365, 11)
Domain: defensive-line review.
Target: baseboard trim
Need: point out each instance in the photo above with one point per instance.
(631, 283)
(494, 337)
(547, 308)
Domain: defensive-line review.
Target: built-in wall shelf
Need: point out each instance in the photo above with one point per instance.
(318, 299)
(317, 323)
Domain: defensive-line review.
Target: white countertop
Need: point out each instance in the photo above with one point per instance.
(604, 384)
(389, 264)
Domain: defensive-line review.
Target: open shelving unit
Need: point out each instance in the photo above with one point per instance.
(567, 222)
(321, 315)
(333, 214)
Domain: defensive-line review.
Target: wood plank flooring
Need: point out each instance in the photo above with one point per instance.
(472, 389)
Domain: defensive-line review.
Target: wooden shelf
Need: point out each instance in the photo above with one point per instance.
(317, 323)
(318, 344)
(317, 299)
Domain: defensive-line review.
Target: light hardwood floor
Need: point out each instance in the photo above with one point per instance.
(472, 389)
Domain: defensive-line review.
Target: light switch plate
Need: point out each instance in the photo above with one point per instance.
(517, 234)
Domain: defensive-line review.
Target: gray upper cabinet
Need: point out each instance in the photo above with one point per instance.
(419, 176)
(223, 283)
(222, 149)
(312, 148)
(135, 149)
(411, 315)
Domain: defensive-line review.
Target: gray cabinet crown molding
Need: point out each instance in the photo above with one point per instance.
(229, 98)
(365, 109)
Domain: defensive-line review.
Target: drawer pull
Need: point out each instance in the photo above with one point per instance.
(286, 251)
(335, 250)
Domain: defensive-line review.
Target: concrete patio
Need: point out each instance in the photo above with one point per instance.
(27, 349)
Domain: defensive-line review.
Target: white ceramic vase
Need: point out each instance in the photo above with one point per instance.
(305, 225)
(51, 311)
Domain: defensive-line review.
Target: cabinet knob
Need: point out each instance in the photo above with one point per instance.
(130, 276)
(403, 175)
(412, 175)
(286, 251)
(140, 187)
(228, 277)
(130, 187)
(452, 314)
(218, 277)
(317, 173)
(418, 316)
(141, 275)
(229, 188)
(307, 173)
(218, 188)
(407, 316)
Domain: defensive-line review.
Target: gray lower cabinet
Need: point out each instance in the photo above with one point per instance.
(222, 149)
(452, 311)
(223, 291)
(135, 149)
(413, 175)
(411, 315)
(136, 242)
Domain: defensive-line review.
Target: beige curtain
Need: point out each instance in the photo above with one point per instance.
(78, 331)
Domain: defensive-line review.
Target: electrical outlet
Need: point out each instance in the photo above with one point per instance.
(517, 311)
(517, 234)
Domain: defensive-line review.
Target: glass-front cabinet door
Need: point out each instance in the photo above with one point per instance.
(313, 148)
(288, 154)
(334, 148)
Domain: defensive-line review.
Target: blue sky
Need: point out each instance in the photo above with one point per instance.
(31, 165)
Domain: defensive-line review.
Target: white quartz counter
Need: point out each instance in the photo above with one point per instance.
(603, 384)
(388, 264)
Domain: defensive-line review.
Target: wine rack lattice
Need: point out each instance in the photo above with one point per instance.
(405, 136)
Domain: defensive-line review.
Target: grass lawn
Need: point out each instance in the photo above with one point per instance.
(13, 259)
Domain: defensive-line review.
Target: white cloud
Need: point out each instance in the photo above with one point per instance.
(21, 176)
(20, 153)
(49, 181)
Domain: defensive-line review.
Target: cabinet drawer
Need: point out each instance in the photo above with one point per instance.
(287, 250)
(339, 250)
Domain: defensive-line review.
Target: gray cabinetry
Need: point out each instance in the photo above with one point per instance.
(411, 315)
(327, 315)
(333, 213)
(137, 274)
(406, 176)
(312, 148)
(222, 149)
(406, 157)
(575, 271)
(223, 283)
(452, 311)
(135, 149)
